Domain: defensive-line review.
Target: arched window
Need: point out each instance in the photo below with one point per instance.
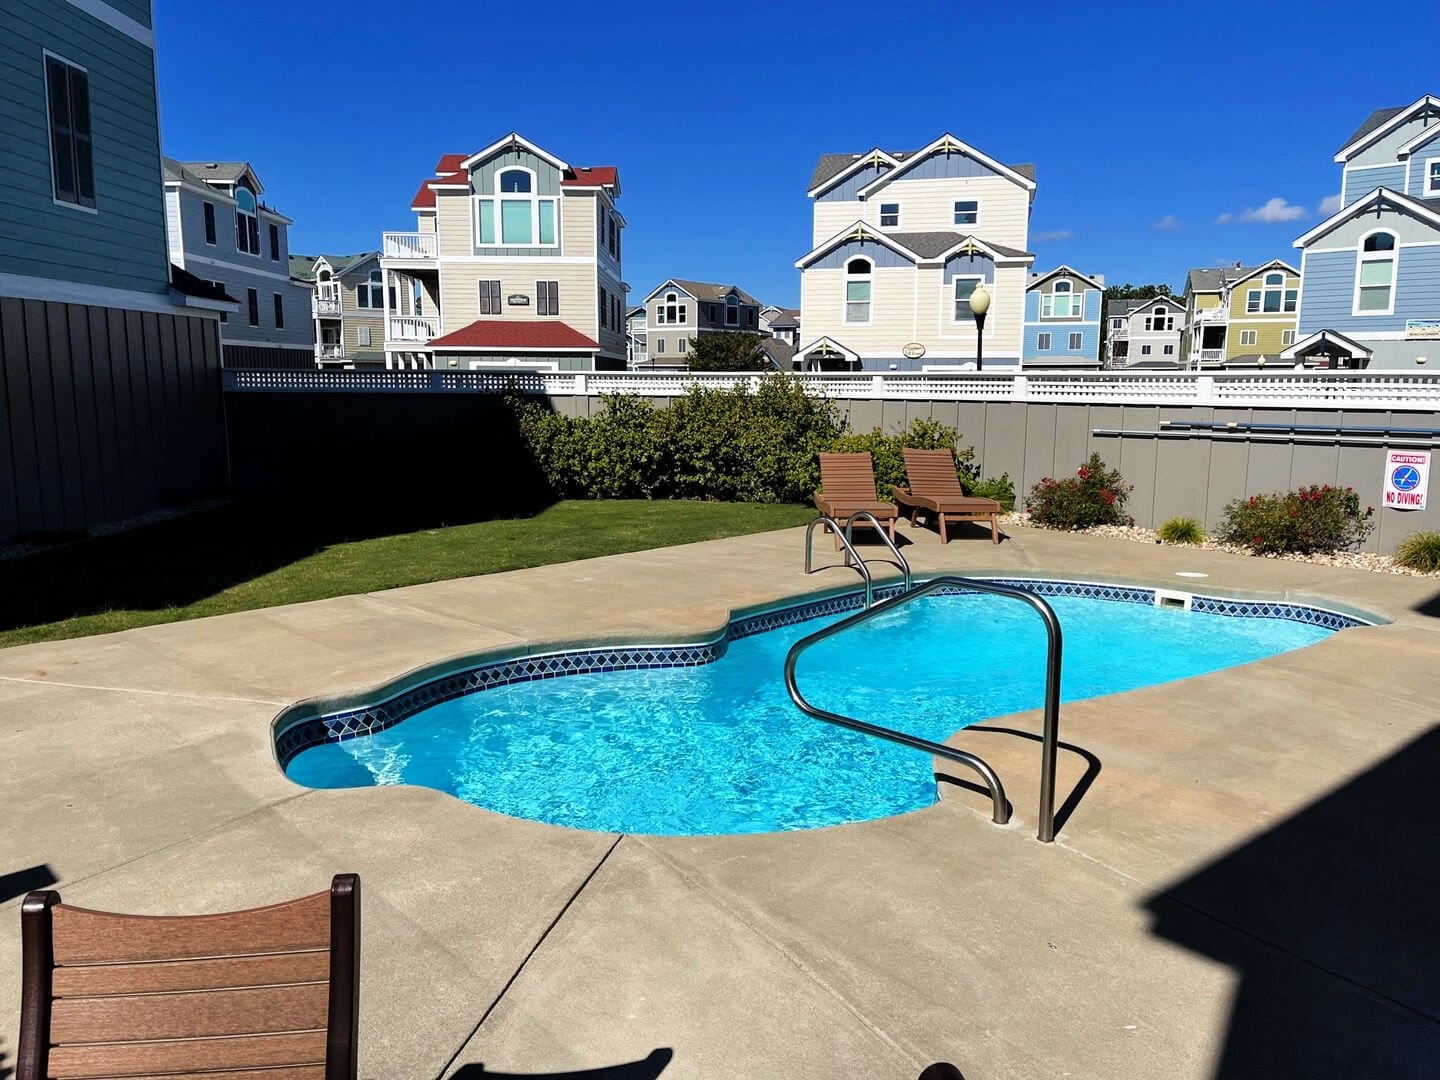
(672, 311)
(1059, 303)
(857, 291)
(247, 228)
(1273, 297)
(1375, 275)
(522, 218)
(732, 310)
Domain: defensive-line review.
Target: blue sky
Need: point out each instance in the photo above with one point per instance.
(1147, 123)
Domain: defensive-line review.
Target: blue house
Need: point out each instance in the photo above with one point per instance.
(1370, 284)
(1062, 320)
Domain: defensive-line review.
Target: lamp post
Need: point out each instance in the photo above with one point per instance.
(979, 305)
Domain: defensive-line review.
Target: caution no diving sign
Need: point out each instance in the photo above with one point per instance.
(1407, 473)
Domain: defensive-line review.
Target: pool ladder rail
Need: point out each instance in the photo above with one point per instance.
(1050, 738)
(846, 536)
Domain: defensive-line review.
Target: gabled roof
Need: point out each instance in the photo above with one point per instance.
(1069, 272)
(509, 335)
(1321, 337)
(834, 167)
(1213, 278)
(831, 345)
(784, 322)
(948, 144)
(781, 353)
(452, 171)
(1427, 134)
(704, 290)
(1381, 121)
(212, 172)
(921, 246)
(1263, 268)
(1426, 209)
(303, 266)
(1118, 308)
(513, 139)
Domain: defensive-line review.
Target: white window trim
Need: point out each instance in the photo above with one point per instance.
(969, 320)
(847, 277)
(1430, 190)
(1360, 259)
(1077, 302)
(1253, 335)
(214, 222)
(880, 215)
(955, 211)
(49, 150)
(1071, 345)
(1145, 350)
(1287, 337)
(534, 197)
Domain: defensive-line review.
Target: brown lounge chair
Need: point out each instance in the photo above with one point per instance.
(935, 488)
(847, 486)
(240, 994)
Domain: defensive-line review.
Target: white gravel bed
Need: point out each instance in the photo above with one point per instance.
(1353, 560)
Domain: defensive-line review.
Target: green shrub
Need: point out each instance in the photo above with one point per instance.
(1318, 518)
(1095, 495)
(1420, 551)
(1000, 488)
(1182, 530)
(887, 452)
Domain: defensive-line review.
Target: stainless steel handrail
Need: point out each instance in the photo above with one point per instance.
(850, 553)
(1050, 737)
(899, 562)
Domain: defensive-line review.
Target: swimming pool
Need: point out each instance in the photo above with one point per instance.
(702, 739)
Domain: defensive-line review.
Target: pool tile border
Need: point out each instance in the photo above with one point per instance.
(301, 734)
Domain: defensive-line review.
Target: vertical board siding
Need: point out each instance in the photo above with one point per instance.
(107, 414)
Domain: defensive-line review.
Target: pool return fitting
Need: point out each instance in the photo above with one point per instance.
(1050, 738)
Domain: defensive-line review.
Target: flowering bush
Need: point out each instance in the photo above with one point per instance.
(1318, 518)
(1095, 495)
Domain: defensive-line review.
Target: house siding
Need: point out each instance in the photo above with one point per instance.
(1087, 326)
(1386, 148)
(484, 179)
(460, 293)
(1357, 183)
(124, 244)
(880, 255)
(927, 204)
(848, 190)
(1330, 292)
(139, 10)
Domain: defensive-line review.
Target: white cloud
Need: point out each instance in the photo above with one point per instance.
(1274, 211)
(1328, 205)
(1168, 223)
(1050, 237)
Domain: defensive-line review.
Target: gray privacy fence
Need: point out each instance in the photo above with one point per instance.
(107, 414)
(1179, 467)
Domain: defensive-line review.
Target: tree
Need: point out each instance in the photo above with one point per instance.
(1125, 292)
(728, 351)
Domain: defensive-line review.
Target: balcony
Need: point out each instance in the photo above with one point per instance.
(325, 307)
(409, 245)
(409, 329)
(1211, 315)
(325, 351)
(1211, 356)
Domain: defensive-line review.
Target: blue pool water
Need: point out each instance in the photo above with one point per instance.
(720, 748)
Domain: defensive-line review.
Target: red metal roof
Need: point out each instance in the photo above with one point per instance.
(516, 334)
(424, 198)
(449, 163)
(594, 176)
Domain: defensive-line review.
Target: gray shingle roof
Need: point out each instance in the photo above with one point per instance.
(1213, 278)
(1375, 120)
(705, 290)
(223, 172)
(930, 244)
(781, 352)
(831, 165)
(303, 266)
(1123, 307)
(784, 322)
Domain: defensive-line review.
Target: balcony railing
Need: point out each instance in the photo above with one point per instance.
(1211, 354)
(326, 307)
(1211, 315)
(409, 245)
(329, 352)
(406, 328)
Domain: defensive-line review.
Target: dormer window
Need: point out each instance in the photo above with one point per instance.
(732, 310)
(247, 228)
(857, 292)
(1060, 302)
(1375, 275)
(521, 219)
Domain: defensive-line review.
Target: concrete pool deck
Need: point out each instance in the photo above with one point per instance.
(1246, 885)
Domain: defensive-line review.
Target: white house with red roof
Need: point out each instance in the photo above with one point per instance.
(514, 264)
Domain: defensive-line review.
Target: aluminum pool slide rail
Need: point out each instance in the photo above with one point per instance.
(1050, 738)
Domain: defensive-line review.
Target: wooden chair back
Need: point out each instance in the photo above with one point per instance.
(272, 992)
(847, 478)
(931, 473)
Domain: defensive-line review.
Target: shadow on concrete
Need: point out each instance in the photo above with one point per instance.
(6, 1071)
(1071, 801)
(20, 882)
(1430, 608)
(1329, 921)
(652, 1066)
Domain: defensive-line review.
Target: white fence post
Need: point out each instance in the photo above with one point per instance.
(1020, 387)
(1205, 390)
(877, 386)
(581, 384)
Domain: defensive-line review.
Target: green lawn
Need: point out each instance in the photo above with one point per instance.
(250, 555)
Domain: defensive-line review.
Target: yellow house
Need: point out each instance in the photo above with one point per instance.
(1237, 315)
